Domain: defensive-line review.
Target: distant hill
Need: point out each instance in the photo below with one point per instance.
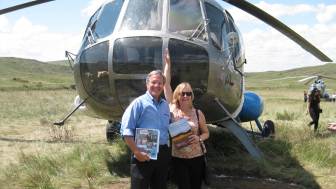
(19, 67)
(259, 80)
(60, 62)
(17, 73)
(326, 69)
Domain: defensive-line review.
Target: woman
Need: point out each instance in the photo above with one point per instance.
(314, 107)
(188, 162)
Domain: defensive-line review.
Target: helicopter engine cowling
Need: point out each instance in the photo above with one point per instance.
(253, 107)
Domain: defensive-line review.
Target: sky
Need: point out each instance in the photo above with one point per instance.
(44, 32)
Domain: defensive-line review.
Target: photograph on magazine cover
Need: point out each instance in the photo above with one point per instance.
(147, 141)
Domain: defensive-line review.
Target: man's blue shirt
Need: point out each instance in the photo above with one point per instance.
(145, 112)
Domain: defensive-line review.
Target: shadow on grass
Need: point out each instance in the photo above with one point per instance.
(119, 163)
(228, 156)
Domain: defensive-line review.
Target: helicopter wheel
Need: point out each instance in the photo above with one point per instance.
(112, 129)
(269, 129)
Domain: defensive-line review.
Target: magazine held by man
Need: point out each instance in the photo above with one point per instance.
(180, 132)
(147, 140)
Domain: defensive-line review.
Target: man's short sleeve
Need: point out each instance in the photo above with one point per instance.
(129, 119)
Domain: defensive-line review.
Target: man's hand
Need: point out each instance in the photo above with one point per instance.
(141, 156)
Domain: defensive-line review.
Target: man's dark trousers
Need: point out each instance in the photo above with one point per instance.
(153, 173)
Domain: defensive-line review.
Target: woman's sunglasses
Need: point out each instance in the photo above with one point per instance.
(186, 93)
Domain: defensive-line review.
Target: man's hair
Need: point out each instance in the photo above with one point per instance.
(156, 72)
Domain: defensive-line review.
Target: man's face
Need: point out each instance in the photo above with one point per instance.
(155, 86)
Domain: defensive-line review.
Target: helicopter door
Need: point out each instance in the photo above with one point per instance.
(189, 63)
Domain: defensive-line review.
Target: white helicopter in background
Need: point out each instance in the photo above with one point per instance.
(319, 84)
(125, 39)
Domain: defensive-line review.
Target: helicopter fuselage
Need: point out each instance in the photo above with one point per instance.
(125, 40)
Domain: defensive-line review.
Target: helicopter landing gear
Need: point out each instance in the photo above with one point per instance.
(269, 129)
(112, 129)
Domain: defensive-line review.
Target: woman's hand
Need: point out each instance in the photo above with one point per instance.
(307, 112)
(167, 57)
(168, 92)
(194, 139)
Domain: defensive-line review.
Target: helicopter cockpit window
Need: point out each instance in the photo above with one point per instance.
(137, 55)
(86, 40)
(143, 15)
(107, 19)
(94, 73)
(216, 25)
(190, 63)
(128, 90)
(238, 46)
(184, 17)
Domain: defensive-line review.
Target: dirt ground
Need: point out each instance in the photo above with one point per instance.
(224, 183)
(249, 183)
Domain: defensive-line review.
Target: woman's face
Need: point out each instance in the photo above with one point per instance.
(184, 96)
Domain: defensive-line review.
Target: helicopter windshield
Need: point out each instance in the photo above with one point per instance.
(184, 17)
(107, 19)
(94, 73)
(104, 25)
(143, 15)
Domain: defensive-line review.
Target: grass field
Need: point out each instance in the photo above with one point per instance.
(35, 154)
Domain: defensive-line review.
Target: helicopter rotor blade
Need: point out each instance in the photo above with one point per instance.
(307, 78)
(276, 24)
(309, 81)
(286, 78)
(24, 5)
(329, 77)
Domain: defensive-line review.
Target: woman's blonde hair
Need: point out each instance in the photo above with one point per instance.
(178, 91)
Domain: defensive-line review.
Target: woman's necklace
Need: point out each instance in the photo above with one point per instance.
(186, 113)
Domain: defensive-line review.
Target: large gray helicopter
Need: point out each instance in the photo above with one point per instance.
(125, 40)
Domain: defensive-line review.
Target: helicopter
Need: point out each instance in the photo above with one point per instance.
(125, 39)
(319, 84)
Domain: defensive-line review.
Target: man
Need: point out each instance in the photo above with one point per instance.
(152, 112)
(333, 97)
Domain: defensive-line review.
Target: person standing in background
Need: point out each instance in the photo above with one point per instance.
(304, 96)
(314, 108)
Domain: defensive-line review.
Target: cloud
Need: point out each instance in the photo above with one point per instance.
(4, 24)
(92, 8)
(276, 10)
(26, 40)
(267, 49)
(326, 13)
(270, 50)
